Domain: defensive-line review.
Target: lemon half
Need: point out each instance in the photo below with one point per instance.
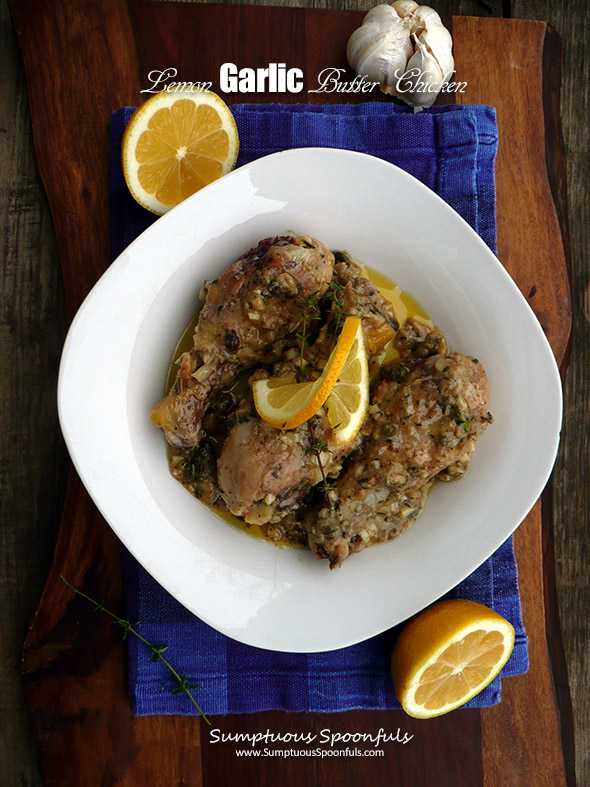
(448, 654)
(175, 144)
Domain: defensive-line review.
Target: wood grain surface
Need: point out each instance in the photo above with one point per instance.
(73, 661)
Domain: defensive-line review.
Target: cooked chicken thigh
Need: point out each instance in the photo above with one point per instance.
(426, 415)
(350, 294)
(361, 298)
(246, 318)
(263, 471)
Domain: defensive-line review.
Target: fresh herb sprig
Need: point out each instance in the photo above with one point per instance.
(317, 447)
(181, 684)
(310, 312)
(335, 296)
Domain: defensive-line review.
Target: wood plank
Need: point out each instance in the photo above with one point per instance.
(571, 478)
(87, 549)
(506, 730)
(75, 670)
(555, 158)
(96, 38)
(529, 234)
(32, 455)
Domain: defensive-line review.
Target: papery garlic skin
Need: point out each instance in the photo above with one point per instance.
(439, 43)
(405, 7)
(428, 26)
(406, 48)
(381, 47)
(424, 17)
(423, 79)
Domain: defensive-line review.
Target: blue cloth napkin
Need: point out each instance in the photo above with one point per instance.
(452, 150)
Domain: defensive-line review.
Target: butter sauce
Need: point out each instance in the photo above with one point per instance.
(404, 305)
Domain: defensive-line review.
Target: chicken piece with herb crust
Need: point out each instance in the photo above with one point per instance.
(249, 315)
(264, 472)
(426, 414)
(361, 298)
(350, 294)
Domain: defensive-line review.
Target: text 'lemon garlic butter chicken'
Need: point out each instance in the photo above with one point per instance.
(277, 314)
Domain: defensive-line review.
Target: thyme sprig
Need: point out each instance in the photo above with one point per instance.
(180, 683)
(310, 312)
(317, 447)
(335, 296)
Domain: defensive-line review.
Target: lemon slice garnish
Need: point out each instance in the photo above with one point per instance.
(343, 386)
(175, 144)
(349, 399)
(448, 654)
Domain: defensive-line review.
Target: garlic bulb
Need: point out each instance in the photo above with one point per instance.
(381, 46)
(406, 49)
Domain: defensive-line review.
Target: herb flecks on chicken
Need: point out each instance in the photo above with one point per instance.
(249, 316)
(361, 298)
(427, 411)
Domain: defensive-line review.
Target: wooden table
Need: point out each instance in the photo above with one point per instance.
(96, 56)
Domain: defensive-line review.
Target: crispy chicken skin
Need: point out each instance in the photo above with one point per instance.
(426, 415)
(263, 471)
(247, 317)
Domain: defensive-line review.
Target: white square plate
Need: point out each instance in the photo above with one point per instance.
(119, 346)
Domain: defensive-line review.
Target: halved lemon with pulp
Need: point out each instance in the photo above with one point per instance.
(175, 144)
(343, 386)
(448, 654)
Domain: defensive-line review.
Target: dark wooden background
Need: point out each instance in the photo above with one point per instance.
(32, 326)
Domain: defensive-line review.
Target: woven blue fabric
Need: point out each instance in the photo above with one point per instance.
(452, 150)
